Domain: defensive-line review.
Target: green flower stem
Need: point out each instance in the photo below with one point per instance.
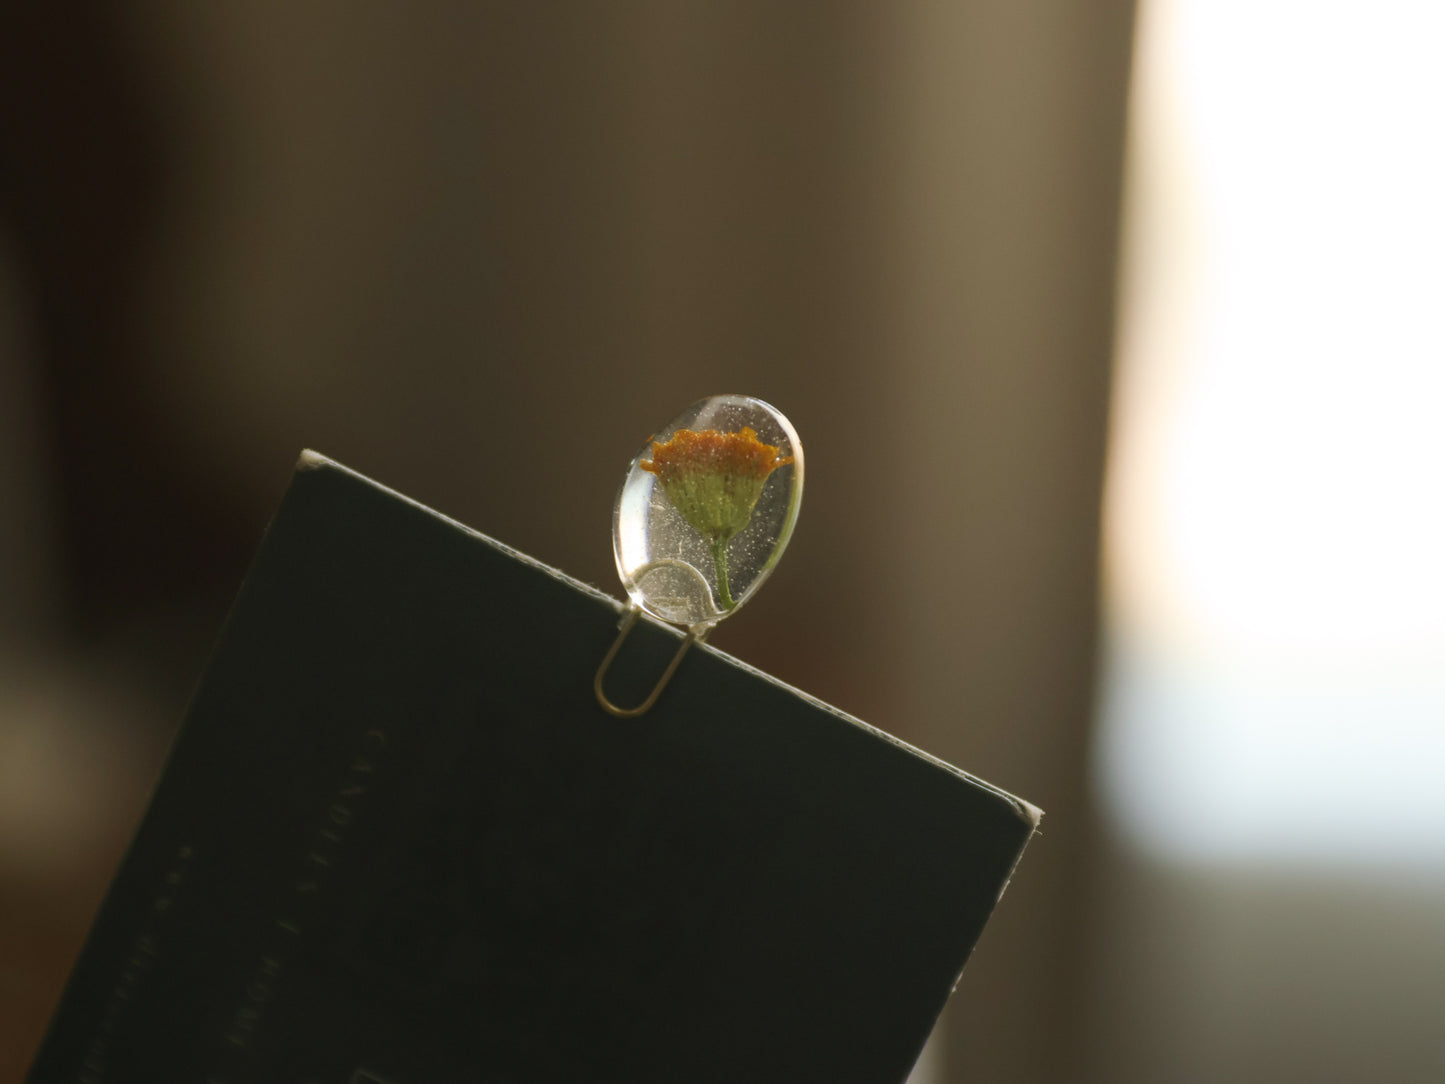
(720, 565)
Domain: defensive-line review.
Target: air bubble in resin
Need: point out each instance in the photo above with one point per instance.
(707, 508)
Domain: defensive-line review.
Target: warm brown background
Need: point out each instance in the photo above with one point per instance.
(478, 251)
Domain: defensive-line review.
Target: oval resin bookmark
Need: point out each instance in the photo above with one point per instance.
(706, 510)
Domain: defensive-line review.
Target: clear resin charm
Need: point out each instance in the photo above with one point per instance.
(707, 508)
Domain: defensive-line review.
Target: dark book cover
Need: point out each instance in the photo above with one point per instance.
(397, 841)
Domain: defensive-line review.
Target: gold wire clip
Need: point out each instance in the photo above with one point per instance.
(694, 636)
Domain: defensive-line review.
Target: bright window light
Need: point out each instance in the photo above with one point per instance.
(1275, 524)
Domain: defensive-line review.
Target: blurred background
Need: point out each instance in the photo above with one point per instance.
(1113, 333)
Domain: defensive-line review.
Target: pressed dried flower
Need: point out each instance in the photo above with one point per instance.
(714, 480)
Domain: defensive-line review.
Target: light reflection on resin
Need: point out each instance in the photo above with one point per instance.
(707, 508)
